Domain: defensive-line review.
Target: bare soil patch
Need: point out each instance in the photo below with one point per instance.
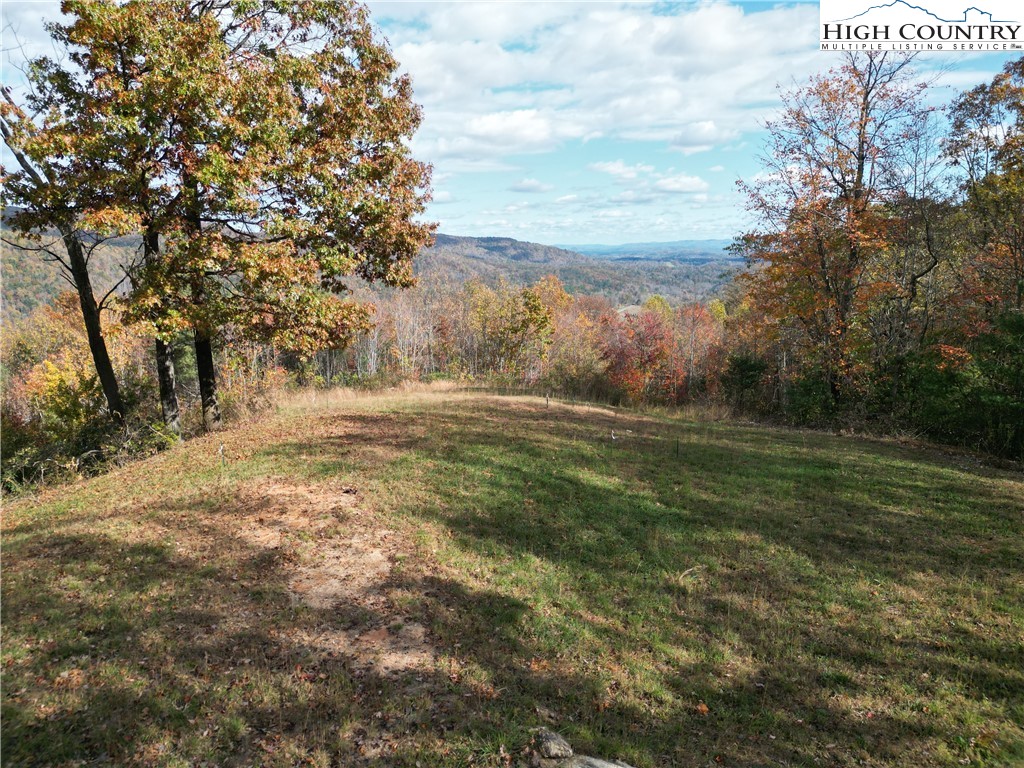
(343, 571)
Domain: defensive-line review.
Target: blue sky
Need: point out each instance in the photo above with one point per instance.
(592, 122)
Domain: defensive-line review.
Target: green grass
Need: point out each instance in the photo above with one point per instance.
(683, 595)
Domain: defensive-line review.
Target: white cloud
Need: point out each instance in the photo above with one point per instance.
(497, 79)
(456, 165)
(530, 185)
(567, 199)
(630, 197)
(681, 184)
(620, 170)
(701, 136)
(521, 126)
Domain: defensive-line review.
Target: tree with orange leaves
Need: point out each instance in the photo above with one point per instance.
(987, 145)
(833, 170)
(259, 148)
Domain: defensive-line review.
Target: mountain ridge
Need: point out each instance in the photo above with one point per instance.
(702, 249)
(681, 271)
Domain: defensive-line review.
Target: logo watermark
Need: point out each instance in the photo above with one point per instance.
(922, 25)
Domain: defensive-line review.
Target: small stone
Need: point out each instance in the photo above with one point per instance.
(583, 761)
(551, 745)
(546, 714)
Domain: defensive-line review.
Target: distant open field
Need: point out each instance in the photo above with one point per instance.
(418, 579)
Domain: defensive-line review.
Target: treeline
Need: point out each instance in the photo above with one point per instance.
(538, 338)
(533, 338)
(950, 385)
(886, 279)
(884, 286)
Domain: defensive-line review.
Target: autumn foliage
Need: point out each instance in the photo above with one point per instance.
(886, 266)
(884, 287)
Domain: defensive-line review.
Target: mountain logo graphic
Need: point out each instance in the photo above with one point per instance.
(984, 17)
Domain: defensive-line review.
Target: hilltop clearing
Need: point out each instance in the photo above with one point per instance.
(420, 578)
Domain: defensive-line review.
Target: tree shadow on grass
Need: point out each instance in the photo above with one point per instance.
(654, 609)
(820, 609)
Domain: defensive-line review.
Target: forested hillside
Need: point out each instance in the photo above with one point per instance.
(626, 277)
(30, 280)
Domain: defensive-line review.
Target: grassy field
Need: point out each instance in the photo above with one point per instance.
(418, 580)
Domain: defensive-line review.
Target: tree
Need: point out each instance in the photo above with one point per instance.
(506, 329)
(659, 305)
(49, 202)
(411, 331)
(700, 335)
(987, 145)
(643, 363)
(260, 150)
(908, 278)
(833, 171)
(573, 360)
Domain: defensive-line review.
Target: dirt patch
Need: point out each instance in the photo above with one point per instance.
(386, 650)
(343, 572)
(352, 571)
(271, 512)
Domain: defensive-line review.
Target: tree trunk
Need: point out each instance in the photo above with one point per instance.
(207, 380)
(204, 348)
(94, 327)
(79, 274)
(164, 354)
(168, 388)
(835, 388)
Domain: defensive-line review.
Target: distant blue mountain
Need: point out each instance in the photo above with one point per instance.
(677, 250)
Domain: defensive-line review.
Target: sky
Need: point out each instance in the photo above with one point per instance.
(589, 122)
